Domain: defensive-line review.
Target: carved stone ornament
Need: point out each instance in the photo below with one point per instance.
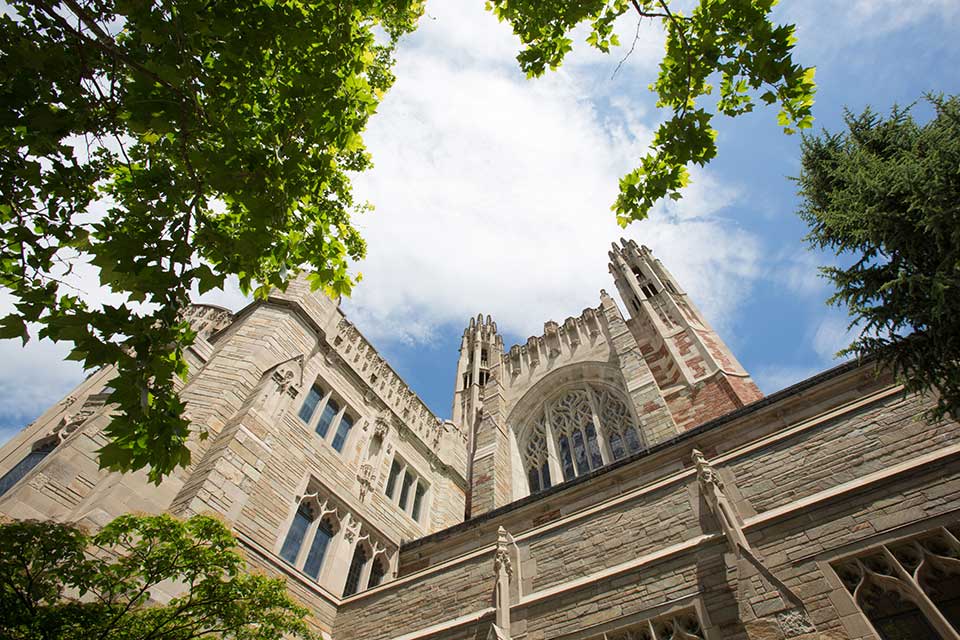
(381, 426)
(287, 376)
(365, 478)
(795, 622)
(70, 422)
(501, 562)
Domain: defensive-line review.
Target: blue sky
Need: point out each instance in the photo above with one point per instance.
(492, 195)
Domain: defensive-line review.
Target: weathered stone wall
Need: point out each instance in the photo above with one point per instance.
(633, 543)
(418, 601)
(845, 448)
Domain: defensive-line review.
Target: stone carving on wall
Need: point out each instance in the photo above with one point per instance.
(283, 385)
(365, 477)
(794, 622)
(720, 505)
(503, 571)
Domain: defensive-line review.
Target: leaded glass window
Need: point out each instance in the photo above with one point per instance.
(408, 479)
(318, 548)
(377, 572)
(310, 403)
(392, 478)
(418, 501)
(589, 426)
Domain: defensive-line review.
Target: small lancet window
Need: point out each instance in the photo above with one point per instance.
(566, 459)
(343, 430)
(580, 453)
(392, 478)
(377, 573)
(318, 548)
(418, 501)
(356, 568)
(533, 477)
(595, 458)
(297, 533)
(310, 404)
(26, 465)
(633, 440)
(616, 446)
(327, 417)
(405, 489)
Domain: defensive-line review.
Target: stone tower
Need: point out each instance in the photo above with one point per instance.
(481, 349)
(696, 370)
(593, 389)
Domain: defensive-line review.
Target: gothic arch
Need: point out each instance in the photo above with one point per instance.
(574, 421)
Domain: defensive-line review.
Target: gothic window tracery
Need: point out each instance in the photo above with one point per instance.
(683, 625)
(537, 455)
(331, 545)
(622, 434)
(908, 589)
(576, 433)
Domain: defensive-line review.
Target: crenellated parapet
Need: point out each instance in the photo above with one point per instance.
(556, 342)
(386, 384)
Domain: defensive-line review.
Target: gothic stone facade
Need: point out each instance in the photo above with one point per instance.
(616, 478)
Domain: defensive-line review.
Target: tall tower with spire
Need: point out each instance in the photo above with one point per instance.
(697, 373)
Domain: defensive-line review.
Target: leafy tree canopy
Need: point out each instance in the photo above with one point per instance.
(729, 41)
(217, 138)
(885, 196)
(58, 583)
(220, 136)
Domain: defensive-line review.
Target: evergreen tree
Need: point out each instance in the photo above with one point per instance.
(885, 197)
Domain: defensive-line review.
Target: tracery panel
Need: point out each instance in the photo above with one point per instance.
(622, 434)
(575, 433)
(908, 589)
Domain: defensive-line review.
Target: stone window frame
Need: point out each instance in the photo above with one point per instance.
(394, 493)
(350, 532)
(651, 623)
(552, 425)
(44, 446)
(327, 393)
(893, 567)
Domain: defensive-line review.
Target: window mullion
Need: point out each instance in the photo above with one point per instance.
(944, 628)
(601, 429)
(307, 543)
(553, 454)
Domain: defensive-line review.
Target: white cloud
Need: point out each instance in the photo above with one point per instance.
(799, 272)
(832, 335)
(493, 195)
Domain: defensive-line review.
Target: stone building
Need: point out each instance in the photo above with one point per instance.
(615, 478)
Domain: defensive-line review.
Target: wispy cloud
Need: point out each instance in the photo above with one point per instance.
(492, 191)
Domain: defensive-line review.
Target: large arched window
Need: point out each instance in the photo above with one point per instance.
(576, 432)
